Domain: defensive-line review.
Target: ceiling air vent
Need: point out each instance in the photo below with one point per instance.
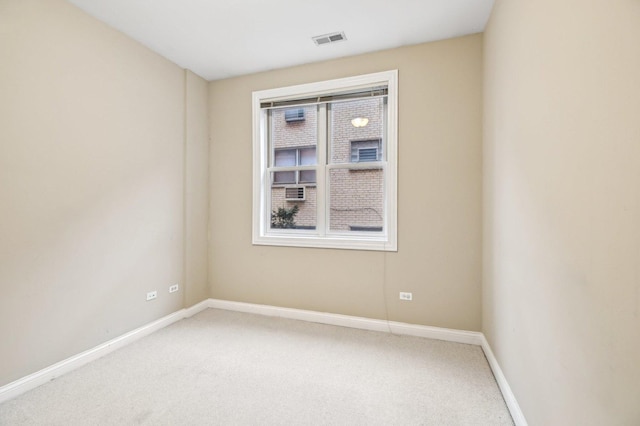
(329, 38)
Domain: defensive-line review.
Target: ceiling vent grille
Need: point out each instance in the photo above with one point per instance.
(329, 38)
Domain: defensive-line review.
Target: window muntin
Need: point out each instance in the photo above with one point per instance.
(356, 213)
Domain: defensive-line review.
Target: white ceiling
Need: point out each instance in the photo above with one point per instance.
(225, 38)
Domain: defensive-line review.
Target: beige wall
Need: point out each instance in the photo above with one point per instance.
(438, 259)
(562, 207)
(92, 135)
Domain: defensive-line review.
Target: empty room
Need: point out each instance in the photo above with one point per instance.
(346, 213)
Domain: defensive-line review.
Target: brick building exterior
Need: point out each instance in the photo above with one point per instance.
(356, 196)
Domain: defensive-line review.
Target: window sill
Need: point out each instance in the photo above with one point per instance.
(285, 185)
(335, 242)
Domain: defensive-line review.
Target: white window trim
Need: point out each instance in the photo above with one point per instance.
(262, 235)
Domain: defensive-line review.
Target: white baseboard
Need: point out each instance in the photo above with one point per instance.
(41, 377)
(459, 336)
(32, 381)
(507, 394)
(198, 307)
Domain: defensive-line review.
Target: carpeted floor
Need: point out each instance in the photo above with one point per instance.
(229, 368)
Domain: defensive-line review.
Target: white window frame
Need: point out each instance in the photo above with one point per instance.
(320, 237)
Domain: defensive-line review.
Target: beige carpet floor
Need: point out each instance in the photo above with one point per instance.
(228, 368)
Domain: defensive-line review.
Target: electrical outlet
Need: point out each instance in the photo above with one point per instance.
(406, 296)
(173, 288)
(152, 295)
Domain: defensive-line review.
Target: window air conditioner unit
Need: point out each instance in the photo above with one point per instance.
(296, 193)
(294, 115)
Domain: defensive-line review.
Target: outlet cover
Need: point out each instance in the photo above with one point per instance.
(406, 296)
(152, 295)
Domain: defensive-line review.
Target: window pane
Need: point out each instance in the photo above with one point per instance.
(307, 176)
(294, 136)
(356, 200)
(308, 156)
(285, 157)
(284, 177)
(293, 214)
(346, 138)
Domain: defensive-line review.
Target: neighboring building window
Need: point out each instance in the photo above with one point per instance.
(325, 164)
(284, 157)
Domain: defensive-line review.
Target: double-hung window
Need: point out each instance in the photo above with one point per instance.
(325, 164)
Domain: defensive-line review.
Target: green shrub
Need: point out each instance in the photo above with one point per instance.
(284, 218)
